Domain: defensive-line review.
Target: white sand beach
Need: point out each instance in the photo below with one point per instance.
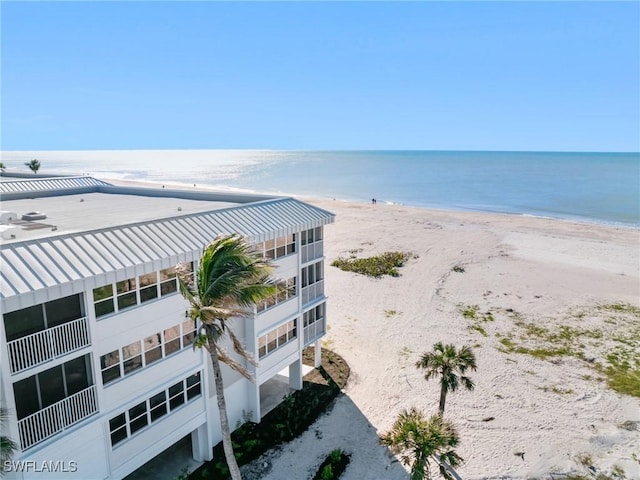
(527, 417)
(558, 413)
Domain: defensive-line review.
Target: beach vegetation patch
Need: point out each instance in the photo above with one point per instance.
(390, 313)
(333, 466)
(458, 269)
(622, 370)
(613, 352)
(377, 266)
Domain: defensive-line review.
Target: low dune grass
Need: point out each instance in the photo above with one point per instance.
(618, 357)
(386, 263)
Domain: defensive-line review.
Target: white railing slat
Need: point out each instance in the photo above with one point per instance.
(55, 418)
(40, 347)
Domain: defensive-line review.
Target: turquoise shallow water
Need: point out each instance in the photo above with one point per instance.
(593, 187)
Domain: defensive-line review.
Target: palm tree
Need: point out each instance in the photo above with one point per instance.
(231, 277)
(2, 166)
(7, 446)
(419, 440)
(446, 362)
(34, 165)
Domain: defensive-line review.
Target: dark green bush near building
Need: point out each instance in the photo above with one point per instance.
(333, 466)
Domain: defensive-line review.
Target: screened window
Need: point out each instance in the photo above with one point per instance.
(36, 318)
(51, 386)
(277, 338)
(286, 290)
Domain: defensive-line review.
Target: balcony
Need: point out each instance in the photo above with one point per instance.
(311, 251)
(41, 347)
(57, 417)
(314, 331)
(311, 292)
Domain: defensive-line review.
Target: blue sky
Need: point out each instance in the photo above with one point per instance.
(550, 76)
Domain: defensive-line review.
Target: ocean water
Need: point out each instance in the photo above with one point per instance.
(592, 187)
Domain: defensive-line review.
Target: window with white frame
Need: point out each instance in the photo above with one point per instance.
(286, 291)
(145, 413)
(277, 338)
(277, 248)
(312, 274)
(311, 236)
(314, 315)
(134, 291)
(314, 323)
(142, 353)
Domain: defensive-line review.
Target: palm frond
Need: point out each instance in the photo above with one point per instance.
(224, 357)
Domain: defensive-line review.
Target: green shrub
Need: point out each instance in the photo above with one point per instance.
(385, 264)
(333, 466)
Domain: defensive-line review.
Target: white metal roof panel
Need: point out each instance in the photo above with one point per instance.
(49, 183)
(30, 266)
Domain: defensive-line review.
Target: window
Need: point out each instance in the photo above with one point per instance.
(110, 366)
(37, 318)
(148, 286)
(313, 315)
(172, 340)
(158, 404)
(132, 357)
(152, 348)
(313, 321)
(286, 290)
(103, 298)
(310, 236)
(277, 248)
(51, 386)
(139, 416)
(188, 333)
(143, 353)
(118, 428)
(168, 281)
(277, 338)
(126, 293)
(176, 395)
(134, 291)
(312, 274)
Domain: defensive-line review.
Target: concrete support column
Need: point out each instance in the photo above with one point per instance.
(200, 444)
(295, 375)
(317, 350)
(253, 402)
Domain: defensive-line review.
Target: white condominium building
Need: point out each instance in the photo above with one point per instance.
(98, 368)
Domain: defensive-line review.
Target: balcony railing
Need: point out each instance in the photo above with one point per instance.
(312, 251)
(57, 417)
(312, 292)
(43, 346)
(314, 331)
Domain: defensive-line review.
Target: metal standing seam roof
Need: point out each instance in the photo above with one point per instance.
(50, 183)
(93, 258)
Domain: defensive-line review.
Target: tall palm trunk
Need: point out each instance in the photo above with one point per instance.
(234, 470)
(444, 388)
(443, 398)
